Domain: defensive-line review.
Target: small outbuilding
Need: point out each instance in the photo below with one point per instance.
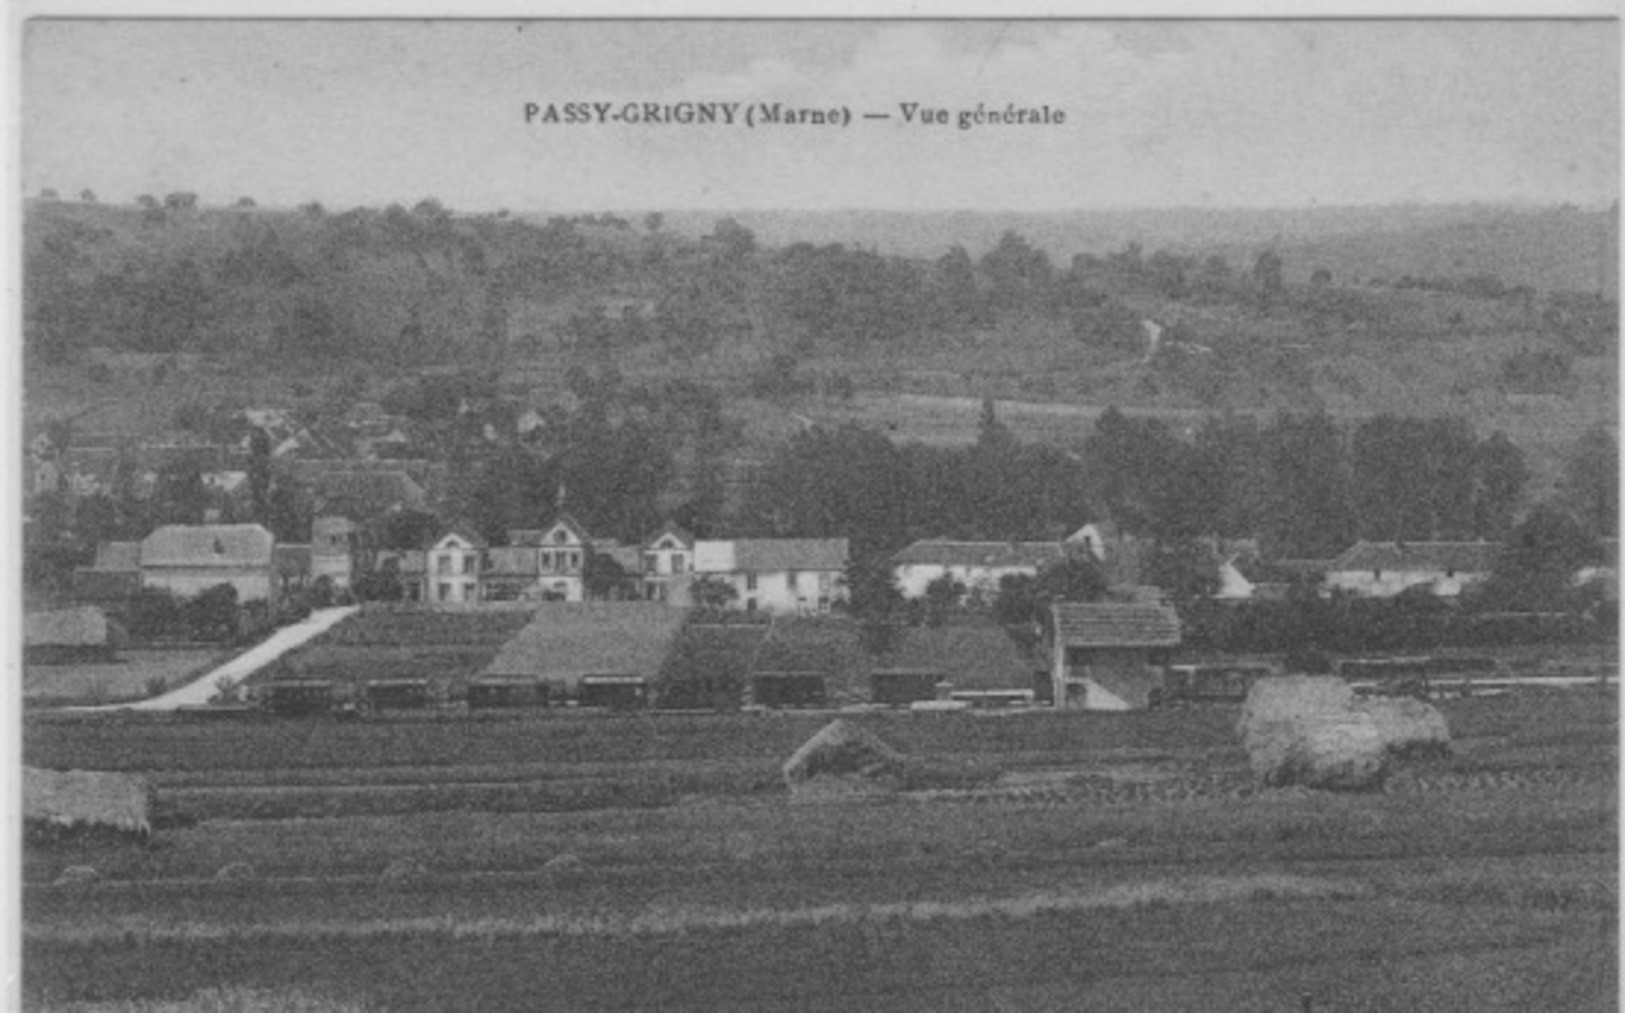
(1110, 655)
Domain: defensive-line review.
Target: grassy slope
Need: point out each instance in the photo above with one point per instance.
(1500, 893)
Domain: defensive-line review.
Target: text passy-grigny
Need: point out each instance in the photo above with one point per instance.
(778, 114)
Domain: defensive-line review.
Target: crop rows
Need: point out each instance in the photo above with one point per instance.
(1239, 785)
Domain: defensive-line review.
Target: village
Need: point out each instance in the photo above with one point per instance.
(969, 622)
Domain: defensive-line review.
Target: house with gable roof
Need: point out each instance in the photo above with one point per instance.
(780, 576)
(1109, 655)
(560, 558)
(667, 564)
(1388, 568)
(447, 571)
(451, 567)
(979, 564)
(186, 560)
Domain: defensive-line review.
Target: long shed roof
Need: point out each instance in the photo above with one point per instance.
(565, 641)
(246, 545)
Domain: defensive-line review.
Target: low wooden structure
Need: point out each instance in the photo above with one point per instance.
(898, 687)
(297, 697)
(497, 693)
(396, 694)
(781, 690)
(613, 691)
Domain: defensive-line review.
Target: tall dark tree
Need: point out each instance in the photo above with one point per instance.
(1590, 484)
(1311, 514)
(1502, 476)
(259, 474)
(1536, 568)
(1269, 273)
(180, 496)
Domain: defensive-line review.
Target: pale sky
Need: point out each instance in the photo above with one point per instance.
(1159, 114)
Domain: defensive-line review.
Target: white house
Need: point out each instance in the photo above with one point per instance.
(978, 564)
(777, 576)
(561, 558)
(668, 562)
(451, 569)
(1386, 568)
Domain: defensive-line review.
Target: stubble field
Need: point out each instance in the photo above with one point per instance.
(1033, 861)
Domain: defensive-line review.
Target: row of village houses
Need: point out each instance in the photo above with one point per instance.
(771, 575)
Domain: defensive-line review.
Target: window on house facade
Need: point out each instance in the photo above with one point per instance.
(790, 578)
(750, 605)
(444, 591)
(678, 564)
(575, 560)
(750, 583)
(547, 561)
(470, 563)
(651, 562)
(443, 563)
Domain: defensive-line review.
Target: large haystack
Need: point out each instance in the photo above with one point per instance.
(59, 803)
(844, 753)
(1315, 732)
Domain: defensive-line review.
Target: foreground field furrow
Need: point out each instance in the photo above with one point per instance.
(1127, 953)
(1033, 861)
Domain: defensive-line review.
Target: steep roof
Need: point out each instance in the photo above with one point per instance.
(980, 553)
(775, 555)
(1418, 556)
(566, 641)
(972, 657)
(681, 535)
(243, 545)
(1116, 624)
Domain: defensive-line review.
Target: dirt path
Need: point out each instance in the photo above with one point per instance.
(281, 641)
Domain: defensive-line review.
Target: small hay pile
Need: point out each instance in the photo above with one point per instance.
(846, 757)
(65, 803)
(1314, 732)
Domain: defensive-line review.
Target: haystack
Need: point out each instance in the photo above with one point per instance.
(59, 803)
(844, 752)
(1315, 732)
(1411, 729)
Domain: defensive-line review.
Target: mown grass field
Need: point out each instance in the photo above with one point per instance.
(1038, 861)
(125, 679)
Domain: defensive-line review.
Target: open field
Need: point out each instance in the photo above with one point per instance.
(116, 681)
(1038, 860)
